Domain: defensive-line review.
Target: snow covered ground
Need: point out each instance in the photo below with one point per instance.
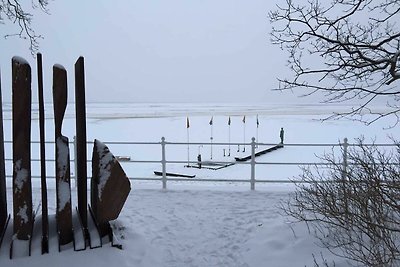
(199, 223)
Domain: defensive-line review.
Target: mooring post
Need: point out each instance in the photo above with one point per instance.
(164, 164)
(253, 163)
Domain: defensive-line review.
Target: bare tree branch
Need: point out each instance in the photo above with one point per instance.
(13, 11)
(347, 49)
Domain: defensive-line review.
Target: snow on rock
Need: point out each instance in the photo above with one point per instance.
(20, 177)
(106, 160)
(64, 194)
(62, 154)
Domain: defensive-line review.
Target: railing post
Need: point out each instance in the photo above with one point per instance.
(345, 164)
(75, 163)
(163, 163)
(253, 164)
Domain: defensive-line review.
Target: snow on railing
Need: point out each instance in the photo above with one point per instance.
(164, 177)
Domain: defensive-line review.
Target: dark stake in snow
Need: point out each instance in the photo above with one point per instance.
(3, 197)
(63, 187)
(110, 187)
(45, 217)
(81, 157)
(22, 187)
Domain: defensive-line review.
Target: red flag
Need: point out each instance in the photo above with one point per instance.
(229, 120)
(187, 122)
(244, 119)
(211, 121)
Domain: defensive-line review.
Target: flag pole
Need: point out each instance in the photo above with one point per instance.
(187, 132)
(211, 137)
(258, 123)
(244, 133)
(229, 136)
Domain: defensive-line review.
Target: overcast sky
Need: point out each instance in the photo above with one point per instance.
(158, 51)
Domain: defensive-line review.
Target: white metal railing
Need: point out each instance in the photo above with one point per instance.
(252, 161)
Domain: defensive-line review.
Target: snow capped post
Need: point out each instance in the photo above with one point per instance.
(22, 187)
(163, 163)
(345, 164)
(63, 184)
(253, 164)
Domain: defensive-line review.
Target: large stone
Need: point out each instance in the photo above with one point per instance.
(110, 186)
(63, 184)
(21, 121)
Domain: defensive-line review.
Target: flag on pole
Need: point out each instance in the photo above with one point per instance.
(258, 123)
(211, 121)
(187, 122)
(229, 120)
(244, 119)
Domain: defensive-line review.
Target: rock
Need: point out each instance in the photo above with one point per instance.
(110, 186)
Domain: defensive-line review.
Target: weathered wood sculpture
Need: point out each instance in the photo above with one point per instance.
(63, 185)
(45, 220)
(81, 159)
(3, 197)
(110, 187)
(21, 122)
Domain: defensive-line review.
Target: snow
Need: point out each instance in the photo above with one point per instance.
(106, 158)
(21, 176)
(201, 223)
(62, 154)
(22, 214)
(64, 194)
(58, 66)
(20, 60)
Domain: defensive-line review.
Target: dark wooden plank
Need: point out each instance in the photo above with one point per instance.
(3, 192)
(262, 152)
(21, 121)
(158, 173)
(81, 157)
(63, 183)
(110, 187)
(45, 213)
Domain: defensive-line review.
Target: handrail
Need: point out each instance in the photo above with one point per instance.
(252, 160)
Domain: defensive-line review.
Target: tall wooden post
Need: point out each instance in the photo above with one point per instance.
(3, 196)
(81, 155)
(63, 184)
(21, 121)
(45, 220)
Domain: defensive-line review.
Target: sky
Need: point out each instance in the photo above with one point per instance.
(157, 51)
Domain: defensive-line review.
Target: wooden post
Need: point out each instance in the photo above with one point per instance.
(45, 220)
(63, 183)
(21, 121)
(81, 156)
(3, 192)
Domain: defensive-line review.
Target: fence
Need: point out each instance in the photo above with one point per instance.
(252, 162)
